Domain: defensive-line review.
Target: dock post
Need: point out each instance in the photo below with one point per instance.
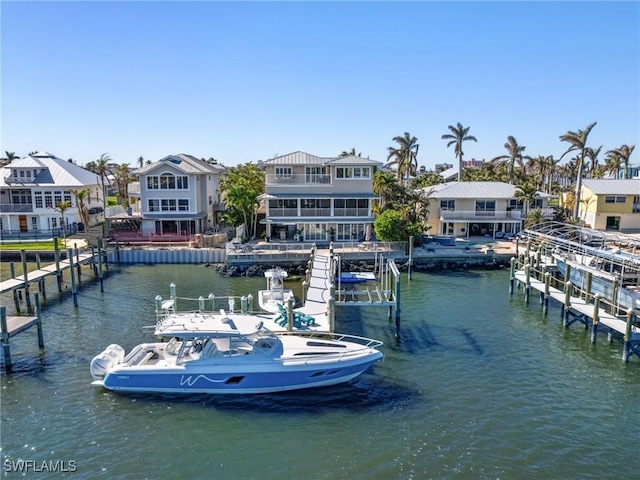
(94, 264)
(158, 308)
(547, 282)
(56, 255)
(201, 303)
(527, 276)
(16, 300)
(567, 304)
(5, 338)
(398, 310)
(25, 274)
(40, 282)
(538, 263)
(289, 315)
(243, 303)
(587, 293)
(36, 299)
(74, 291)
(410, 255)
(567, 273)
(512, 274)
(305, 286)
(331, 312)
(117, 250)
(212, 299)
(250, 302)
(77, 252)
(626, 346)
(100, 266)
(596, 317)
(614, 296)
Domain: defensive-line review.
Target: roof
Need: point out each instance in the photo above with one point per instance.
(181, 161)
(53, 171)
(612, 186)
(476, 190)
(302, 158)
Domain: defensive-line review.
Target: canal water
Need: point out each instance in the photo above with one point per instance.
(480, 386)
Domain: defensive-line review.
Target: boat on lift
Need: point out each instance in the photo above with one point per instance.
(275, 294)
(229, 353)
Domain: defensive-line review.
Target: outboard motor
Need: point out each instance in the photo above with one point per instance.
(111, 356)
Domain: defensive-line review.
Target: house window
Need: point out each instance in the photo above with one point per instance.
(38, 199)
(636, 204)
(167, 182)
(168, 205)
(48, 199)
(21, 173)
(152, 183)
(447, 205)
(315, 231)
(34, 223)
(615, 199)
(515, 204)
(210, 200)
(67, 196)
(154, 205)
(183, 205)
(485, 208)
(353, 172)
(316, 175)
(182, 183)
(29, 174)
(283, 172)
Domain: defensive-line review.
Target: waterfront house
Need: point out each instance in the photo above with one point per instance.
(32, 187)
(609, 204)
(177, 195)
(466, 209)
(318, 199)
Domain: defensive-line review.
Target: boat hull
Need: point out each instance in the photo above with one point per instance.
(291, 375)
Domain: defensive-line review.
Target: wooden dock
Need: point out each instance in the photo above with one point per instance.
(13, 325)
(589, 310)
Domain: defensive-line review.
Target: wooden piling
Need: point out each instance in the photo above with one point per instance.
(16, 300)
(527, 276)
(36, 299)
(25, 273)
(5, 338)
(100, 266)
(596, 314)
(74, 288)
(547, 285)
(289, 315)
(56, 255)
(627, 348)
(77, 254)
(512, 275)
(587, 293)
(567, 304)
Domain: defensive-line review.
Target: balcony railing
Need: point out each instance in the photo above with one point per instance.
(298, 179)
(315, 212)
(133, 189)
(283, 212)
(480, 215)
(16, 207)
(12, 179)
(351, 212)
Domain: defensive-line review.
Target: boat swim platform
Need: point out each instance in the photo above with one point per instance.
(576, 309)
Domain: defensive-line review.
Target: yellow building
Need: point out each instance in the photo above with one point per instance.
(611, 204)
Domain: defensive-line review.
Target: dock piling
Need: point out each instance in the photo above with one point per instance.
(25, 274)
(6, 351)
(596, 313)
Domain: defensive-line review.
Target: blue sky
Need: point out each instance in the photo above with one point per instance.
(245, 81)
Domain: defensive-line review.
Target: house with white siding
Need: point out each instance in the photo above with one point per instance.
(313, 198)
(32, 187)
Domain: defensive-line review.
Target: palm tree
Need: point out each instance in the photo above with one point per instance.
(383, 185)
(457, 136)
(405, 156)
(534, 218)
(613, 163)
(515, 154)
(624, 152)
(578, 142)
(592, 155)
(81, 195)
(527, 194)
(140, 161)
(102, 169)
(352, 152)
(62, 207)
(122, 176)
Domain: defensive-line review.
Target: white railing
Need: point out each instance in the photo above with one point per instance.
(133, 188)
(298, 179)
(480, 215)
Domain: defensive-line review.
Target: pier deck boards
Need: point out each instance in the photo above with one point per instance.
(15, 325)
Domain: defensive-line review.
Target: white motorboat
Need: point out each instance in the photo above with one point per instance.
(232, 354)
(275, 294)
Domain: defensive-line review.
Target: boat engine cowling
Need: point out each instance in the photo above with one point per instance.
(102, 363)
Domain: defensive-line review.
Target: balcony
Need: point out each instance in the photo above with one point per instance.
(448, 215)
(351, 212)
(133, 189)
(11, 179)
(283, 212)
(315, 212)
(309, 180)
(16, 207)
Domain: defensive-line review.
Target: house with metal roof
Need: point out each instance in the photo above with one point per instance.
(611, 204)
(466, 209)
(177, 195)
(33, 186)
(316, 199)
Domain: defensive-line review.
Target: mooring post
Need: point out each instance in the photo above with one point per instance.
(159, 312)
(77, 255)
(102, 242)
(74, 291)
(41, 281)
(567, 273)
(527, 278)
(410, 255)
(289, 315)
(305, 286)
(36, 299)
(117, 250)
(596, 317)
(25, 273)
(201, 303)
(547, 283)
(567, 304)
(331, 312)
(16, 300)
(5, 338)
(512, 274)
(398, 309)
(626, 347)
(100, 266)
(212, 299)
(538, 263)
(94, 264)
(614, 296)
(587, 293)
(56, 255)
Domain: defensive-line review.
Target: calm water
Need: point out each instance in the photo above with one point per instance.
(480, 387)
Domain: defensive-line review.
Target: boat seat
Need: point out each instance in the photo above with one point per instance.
(209, 349)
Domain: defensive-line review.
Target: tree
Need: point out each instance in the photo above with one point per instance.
(534, 218)
(384, 184)
(527, 194)
(352, 152)
(240, 189)
(623, 153)
(102, 169)
(578, 142)
(9, 157)
(457, 136)
(140, 161)
(405, 156)
(61, 208)
(122, 177)
(592, 155)
(515, 154)
(83, 211)
(389, 227)
(613, 163)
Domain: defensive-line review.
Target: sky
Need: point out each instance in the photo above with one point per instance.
(247, 81)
